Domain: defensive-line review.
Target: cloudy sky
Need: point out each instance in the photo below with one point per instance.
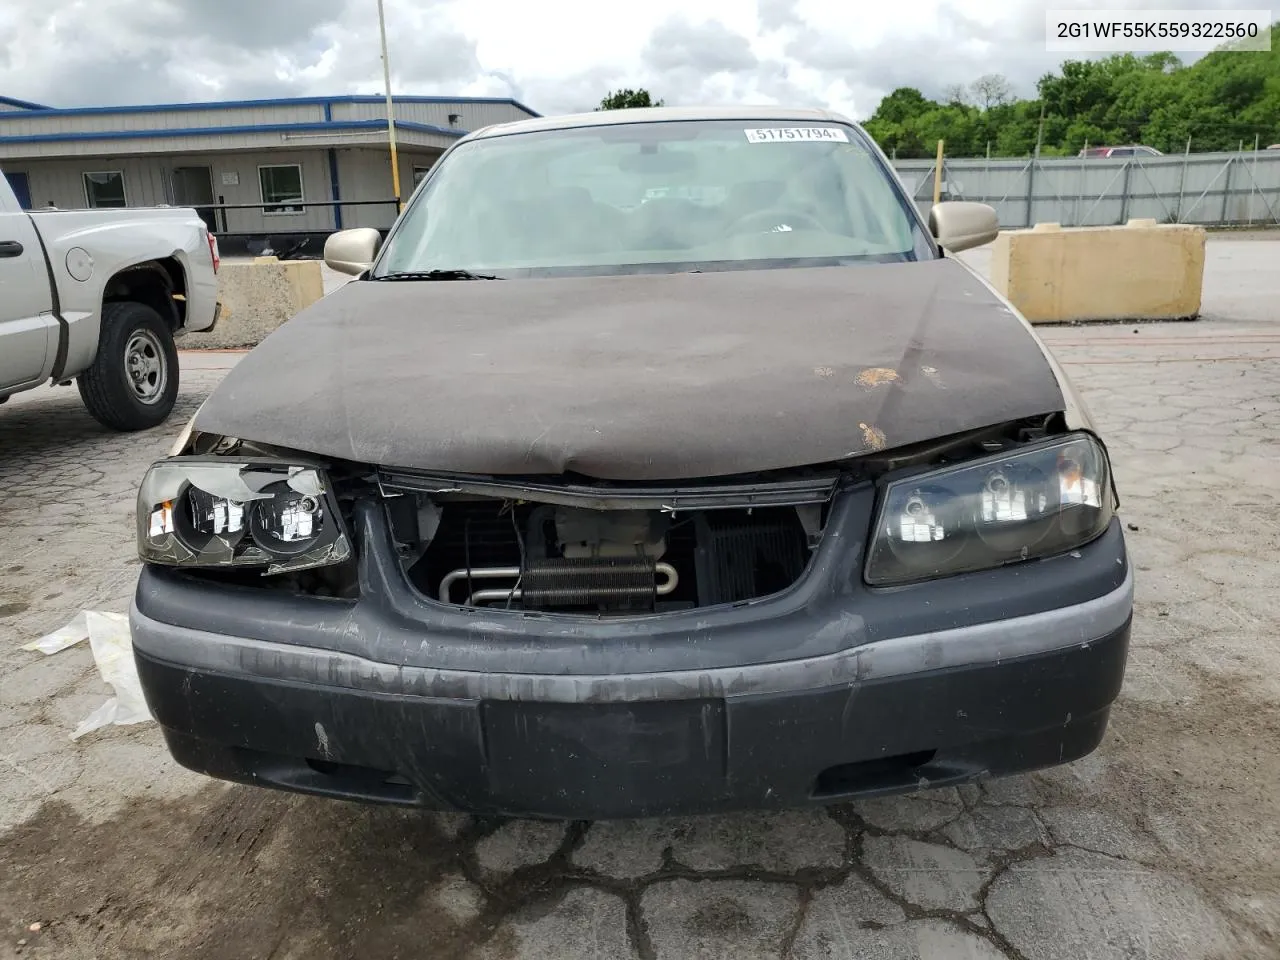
(556, 56)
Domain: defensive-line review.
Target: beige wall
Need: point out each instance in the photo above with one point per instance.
(365, 174)
(148, 181)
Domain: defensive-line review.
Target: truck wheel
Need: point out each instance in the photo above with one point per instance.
(133, 382)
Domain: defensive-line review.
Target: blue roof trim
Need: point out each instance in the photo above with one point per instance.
(24, 104)
(318, 126)
(250, 104)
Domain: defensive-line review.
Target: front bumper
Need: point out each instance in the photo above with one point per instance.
(396, 699)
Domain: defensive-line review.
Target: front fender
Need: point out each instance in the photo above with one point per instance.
(1075, 412)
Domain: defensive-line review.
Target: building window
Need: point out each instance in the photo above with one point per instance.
(419, 173)
(281, 188)
(105, 189)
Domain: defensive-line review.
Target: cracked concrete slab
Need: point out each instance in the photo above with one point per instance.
(776, 842)
(13, 716)
(457, 898)
(714, 919)
(34, 766)
(1100, 831)
(836, 913)
(519, 843)
(918, 812)
(1087, 906)
(927, 875)
(624, 849)
(918, 940)
(43, 679)
(1162, 841)
(585, 923)
(996, 828)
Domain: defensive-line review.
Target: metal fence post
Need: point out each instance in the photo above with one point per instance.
(1253, 178)
(1124, 192)
(1182, 182)
(1075, 216)
(1226, 190)
(986, 173)
(1031, 187)
(938, 172)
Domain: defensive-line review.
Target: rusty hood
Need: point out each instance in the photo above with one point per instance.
(647, 377)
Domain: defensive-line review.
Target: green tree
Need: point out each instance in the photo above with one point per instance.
(895, 124)
(1226, 98)
(903, 104)
(623, 99)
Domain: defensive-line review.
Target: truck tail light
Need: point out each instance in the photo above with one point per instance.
(213, 250)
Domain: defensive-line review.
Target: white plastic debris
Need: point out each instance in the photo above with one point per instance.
(60, 639)
(108, 636)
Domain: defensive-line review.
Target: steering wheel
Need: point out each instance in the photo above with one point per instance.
(764, 221)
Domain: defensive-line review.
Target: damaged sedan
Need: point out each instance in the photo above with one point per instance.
(658, 461)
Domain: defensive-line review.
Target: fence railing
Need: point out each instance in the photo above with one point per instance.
(1240, 188)
(1211, 189)
(215, 214)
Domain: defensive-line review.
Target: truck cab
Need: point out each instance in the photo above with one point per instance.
(28, 328)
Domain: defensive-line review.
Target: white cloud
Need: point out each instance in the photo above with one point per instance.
(557, 56)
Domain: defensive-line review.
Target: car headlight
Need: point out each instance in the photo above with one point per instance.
(213, 512)
(1037, 502)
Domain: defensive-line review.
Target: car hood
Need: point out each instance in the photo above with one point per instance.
(642, 377)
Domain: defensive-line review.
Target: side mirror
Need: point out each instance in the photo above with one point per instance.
(352, 251)
(961, 224)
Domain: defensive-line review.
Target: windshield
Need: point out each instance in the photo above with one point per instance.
(656, 197)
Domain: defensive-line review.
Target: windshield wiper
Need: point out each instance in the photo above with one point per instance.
(436, 275)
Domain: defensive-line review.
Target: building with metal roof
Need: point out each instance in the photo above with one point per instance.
(8, 103)
(296, 168)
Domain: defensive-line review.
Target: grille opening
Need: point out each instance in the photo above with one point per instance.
(884, 773)
(332, 769)
(340, 581)
(594, 562)
(345, 779)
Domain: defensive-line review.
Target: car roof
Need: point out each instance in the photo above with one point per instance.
(600, 118)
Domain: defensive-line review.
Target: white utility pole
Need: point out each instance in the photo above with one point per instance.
(391, 116)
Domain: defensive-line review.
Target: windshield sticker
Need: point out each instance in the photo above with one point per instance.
(789, 134)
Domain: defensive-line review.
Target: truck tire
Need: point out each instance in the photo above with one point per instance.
(133, 382)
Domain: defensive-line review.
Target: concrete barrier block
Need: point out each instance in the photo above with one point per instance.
(1141, 271)
(257, 297)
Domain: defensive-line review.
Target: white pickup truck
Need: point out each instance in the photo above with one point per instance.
(98, 296)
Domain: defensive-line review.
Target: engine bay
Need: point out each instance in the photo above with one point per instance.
(578, 545)
(482, 552)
